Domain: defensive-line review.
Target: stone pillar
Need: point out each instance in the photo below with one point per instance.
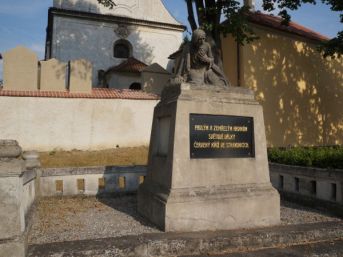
(12, 214)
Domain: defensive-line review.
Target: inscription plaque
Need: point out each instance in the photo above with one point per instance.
(221, 136)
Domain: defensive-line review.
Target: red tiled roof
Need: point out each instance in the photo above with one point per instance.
(129, 65)
(97, 93)
(275, 22)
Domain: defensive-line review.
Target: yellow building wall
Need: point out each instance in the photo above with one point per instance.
(229, 51)
(300, 91)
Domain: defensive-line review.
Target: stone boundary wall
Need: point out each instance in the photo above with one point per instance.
(121, 179)
(91, 180)
(311, 186)
(46, 124)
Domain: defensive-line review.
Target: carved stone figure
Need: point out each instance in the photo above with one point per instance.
(122, 31)
(197, 63)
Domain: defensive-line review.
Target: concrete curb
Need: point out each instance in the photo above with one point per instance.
(174, 244)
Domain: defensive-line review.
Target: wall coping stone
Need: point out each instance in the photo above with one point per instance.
(194, 243)
(96, 93)
(72, 171)
(11, 168)
(336, 174)
(9, 149)
(28, 176)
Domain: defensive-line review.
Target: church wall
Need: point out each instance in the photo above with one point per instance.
(45, 124)
(301, 92)
(124, 81)
(153, 10)
(94, 40)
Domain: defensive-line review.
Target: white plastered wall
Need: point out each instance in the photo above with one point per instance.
(94, 40)
(123, 80)
(45, 124)
(152, 10)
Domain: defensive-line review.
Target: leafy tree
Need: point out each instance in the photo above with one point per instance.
(208, 13)
(329, 48)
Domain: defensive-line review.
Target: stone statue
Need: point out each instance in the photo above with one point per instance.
(197, 65)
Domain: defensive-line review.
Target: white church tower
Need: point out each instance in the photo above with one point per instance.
(141, 31)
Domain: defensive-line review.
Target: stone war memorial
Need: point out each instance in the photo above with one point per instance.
(208, 166)
(128, 140)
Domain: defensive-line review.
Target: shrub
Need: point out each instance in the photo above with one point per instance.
(321, 157)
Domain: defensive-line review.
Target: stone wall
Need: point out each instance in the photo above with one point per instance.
(307, 185)
(45, 124)
(90, 180)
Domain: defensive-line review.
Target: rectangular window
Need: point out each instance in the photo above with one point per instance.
(296, 184)
(122, 182)
(281, 182)
(313, 187)
(59, 186)
(333, 191)
(141, 179)
(81, 185)
(101, 184)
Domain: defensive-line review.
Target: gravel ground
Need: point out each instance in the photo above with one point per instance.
(79, 218)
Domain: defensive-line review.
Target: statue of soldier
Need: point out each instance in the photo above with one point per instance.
(197, 63)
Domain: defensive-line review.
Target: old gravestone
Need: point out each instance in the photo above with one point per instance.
(53, 75)
(208, 166)
(80, 76)
(20, 69)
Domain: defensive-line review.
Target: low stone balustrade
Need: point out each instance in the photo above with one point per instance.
(307, 185)
(91, 180)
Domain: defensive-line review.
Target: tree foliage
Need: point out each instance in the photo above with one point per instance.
(329, 48)
(208, 15)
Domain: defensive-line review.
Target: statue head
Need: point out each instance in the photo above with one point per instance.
(198, 37)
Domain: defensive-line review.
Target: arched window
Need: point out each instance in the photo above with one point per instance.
(135, 86)
(122, 49)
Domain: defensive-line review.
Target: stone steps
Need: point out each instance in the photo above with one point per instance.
(195, 243)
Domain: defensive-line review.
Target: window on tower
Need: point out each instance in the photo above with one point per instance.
(122, 49)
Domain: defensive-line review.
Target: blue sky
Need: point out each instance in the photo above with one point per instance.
(23, 22)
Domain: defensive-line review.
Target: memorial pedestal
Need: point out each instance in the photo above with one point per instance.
(208, 168)
(12, 216)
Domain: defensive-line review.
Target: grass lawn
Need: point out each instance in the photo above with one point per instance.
(107, 157)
